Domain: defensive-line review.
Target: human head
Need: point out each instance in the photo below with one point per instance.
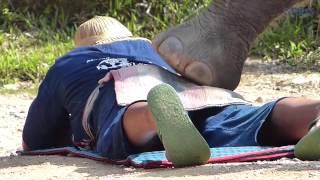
(100, 30)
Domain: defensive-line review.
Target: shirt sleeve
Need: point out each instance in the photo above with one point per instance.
(47, 120)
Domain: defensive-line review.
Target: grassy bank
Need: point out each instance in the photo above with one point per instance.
(27, 57)
(294, 40)
(30, 42)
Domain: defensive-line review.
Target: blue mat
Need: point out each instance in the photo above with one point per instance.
(157, 159)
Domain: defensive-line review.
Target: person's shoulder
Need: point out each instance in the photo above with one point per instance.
(73, 57)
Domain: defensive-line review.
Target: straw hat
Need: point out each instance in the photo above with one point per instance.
(100, 30)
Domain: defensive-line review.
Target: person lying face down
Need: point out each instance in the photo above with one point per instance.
(70, 92)
(55, 116)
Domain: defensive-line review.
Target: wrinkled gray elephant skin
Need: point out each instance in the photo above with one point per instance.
(210, 49)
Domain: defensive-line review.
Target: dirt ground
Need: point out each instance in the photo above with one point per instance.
(260, 83)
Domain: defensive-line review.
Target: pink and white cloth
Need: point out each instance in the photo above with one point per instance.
(133, 84)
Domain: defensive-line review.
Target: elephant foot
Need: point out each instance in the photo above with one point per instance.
(210, 49)
(173, 50)
(202, 50)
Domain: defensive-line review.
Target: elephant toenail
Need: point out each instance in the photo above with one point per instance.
(171, 45)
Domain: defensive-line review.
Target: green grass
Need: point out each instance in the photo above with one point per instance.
(294, 40)
(26, 57)
(30, 43)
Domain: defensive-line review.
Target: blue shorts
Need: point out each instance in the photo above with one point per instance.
(233, 125)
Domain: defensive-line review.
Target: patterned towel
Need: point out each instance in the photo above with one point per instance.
(157, 159)
(133, 84)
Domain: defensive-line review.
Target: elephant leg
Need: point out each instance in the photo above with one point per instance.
(210, 49)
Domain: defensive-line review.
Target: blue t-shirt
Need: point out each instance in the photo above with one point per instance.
(56, 112)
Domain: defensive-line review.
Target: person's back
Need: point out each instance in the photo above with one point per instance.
(69, 82)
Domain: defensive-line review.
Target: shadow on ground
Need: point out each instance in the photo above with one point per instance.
(89, 168)
(256, 66)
